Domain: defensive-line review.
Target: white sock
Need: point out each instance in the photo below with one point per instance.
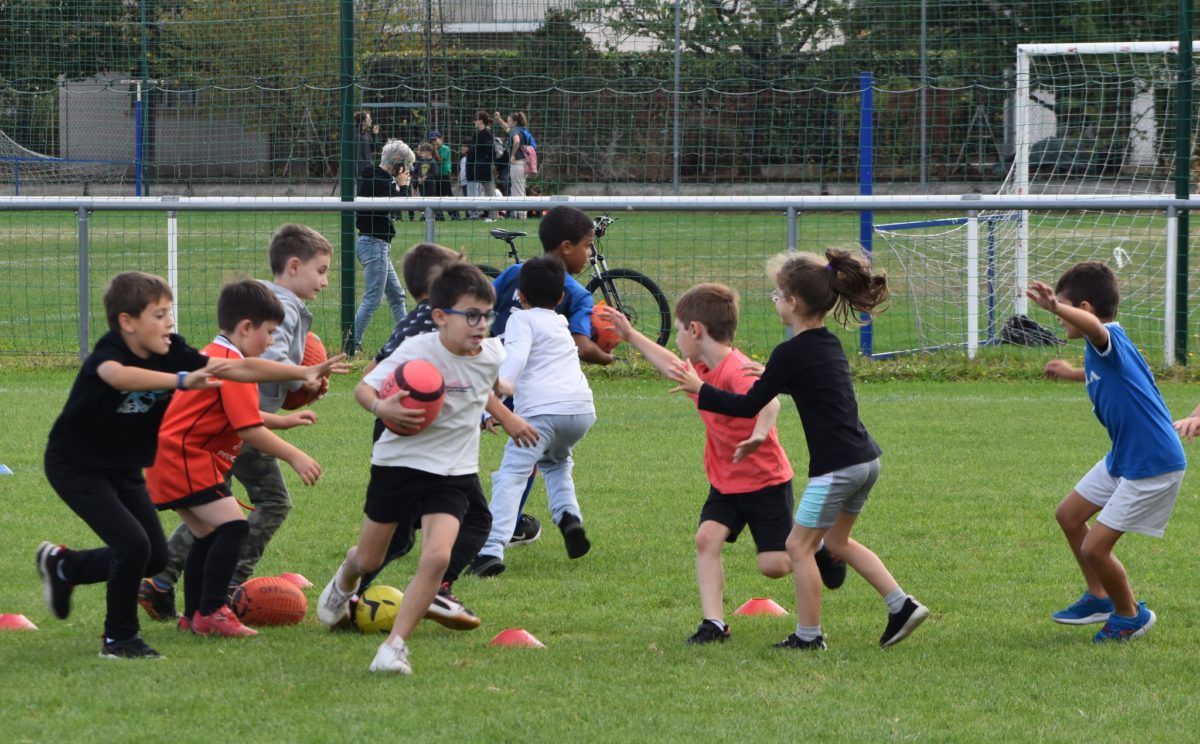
(720, 625)
(808, 632)
(895, 600)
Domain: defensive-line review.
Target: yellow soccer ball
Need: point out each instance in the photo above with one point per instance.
(376, 609)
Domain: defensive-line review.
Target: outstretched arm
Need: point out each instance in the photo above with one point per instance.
(1089, 325)
(1061, 369)
(1189, 427)
(662, 358)
(264, 440)
(255, 369)
(131, 379)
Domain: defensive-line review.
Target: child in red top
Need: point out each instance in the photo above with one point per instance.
(748, 471)
(201, 436)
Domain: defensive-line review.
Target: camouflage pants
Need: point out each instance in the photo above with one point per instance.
(260, 475)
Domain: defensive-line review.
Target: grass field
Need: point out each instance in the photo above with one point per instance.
(39, 302)
(963, 515)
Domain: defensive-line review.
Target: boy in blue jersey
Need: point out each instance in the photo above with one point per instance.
(568, 233)
(1133, 488)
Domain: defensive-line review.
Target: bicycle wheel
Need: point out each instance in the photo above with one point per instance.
(639, 298)
(491, 272)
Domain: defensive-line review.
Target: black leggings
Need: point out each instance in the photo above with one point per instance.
(116, 505)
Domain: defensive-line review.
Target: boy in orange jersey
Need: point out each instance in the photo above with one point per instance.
(201, 435)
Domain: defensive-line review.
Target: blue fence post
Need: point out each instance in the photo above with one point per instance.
(866, 182)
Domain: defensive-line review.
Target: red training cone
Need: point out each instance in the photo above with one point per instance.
(518, 637)
(16, 622)
(760, 606)
(297, 579)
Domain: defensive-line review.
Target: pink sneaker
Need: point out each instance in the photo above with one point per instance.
(220, 623)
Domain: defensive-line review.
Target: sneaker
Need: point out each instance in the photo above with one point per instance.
(157, 599)
(1123, 629)
(528, 530)
(447, 610)
(131, 648)
(574, 537)
(184, 625)
(1086, 610)
(901, 624)
(486, 566)
(794, 641)
(56, 590)
(221, 623)
(334, 604)
(392, 657)
(708, 632)
(833, 570)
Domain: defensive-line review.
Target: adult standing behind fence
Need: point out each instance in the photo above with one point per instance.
(518, 137)
(481, 161)
(375, 233)
(364, 140)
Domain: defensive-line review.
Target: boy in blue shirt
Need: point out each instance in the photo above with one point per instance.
(1133, 488)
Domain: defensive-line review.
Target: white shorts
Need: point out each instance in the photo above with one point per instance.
(1142, 505)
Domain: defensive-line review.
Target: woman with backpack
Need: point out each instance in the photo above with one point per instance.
(522, 161)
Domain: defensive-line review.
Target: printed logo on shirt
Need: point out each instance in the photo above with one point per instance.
(457, 386)
(140, 401)
(1093, 377)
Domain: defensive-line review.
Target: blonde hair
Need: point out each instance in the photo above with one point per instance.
(394, 153)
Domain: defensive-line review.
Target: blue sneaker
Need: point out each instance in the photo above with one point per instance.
(1089, 609)
(1122, 629)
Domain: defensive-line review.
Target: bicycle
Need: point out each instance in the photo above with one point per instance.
(636, 295)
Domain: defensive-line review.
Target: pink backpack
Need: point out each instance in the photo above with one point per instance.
(531, 165)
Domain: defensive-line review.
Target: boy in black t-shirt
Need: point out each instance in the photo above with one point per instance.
(107, 433)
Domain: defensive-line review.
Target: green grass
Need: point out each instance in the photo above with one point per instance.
(963, 515)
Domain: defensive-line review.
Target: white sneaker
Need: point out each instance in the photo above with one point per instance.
(333, 606)
(392, 657)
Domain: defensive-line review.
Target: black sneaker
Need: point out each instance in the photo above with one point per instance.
(793, 641)
(833, 570)
(901, 624)
(528, 530)
(130, 648)
(708, 632)
(447, 610)
(56, 590)
(486, 566)
(158, 600)
(574, 536)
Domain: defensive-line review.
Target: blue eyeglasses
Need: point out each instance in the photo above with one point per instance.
(472, 316)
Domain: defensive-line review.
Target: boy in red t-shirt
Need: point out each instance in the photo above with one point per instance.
(201, 435)
(749, 474)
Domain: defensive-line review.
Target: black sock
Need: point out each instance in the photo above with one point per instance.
(222, 562)
(193, 574)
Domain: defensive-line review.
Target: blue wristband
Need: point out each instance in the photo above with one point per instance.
(180, 379)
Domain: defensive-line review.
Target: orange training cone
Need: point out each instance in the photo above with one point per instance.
(760, 606)
(518, 637)
(297, 579)
(16, 622)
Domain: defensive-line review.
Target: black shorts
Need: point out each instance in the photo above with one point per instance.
(767, 511)
(199, 498)
(404, 495)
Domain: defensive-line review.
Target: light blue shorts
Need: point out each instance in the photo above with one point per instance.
(827, 495)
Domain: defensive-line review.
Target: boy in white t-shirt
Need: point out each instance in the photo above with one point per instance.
(553, 396)
(432, 474)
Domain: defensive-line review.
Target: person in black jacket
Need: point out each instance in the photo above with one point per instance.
(481, 161)
(375, 233)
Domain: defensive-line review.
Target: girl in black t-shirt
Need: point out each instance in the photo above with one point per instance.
(843, 459)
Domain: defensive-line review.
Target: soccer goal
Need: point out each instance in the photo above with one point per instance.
(1087, 119)
(24, 171)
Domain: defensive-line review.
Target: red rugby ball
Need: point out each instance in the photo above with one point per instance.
(269, 600)
(314, 353)
(603, 332)
(426, 391)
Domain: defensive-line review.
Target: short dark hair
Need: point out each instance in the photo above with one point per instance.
(300, 241)
(132, 292)
(542, 280)
(457, 281)
(564, 223)
(1093, 282)
(713, 305)
(422, 263)
(248, 299)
